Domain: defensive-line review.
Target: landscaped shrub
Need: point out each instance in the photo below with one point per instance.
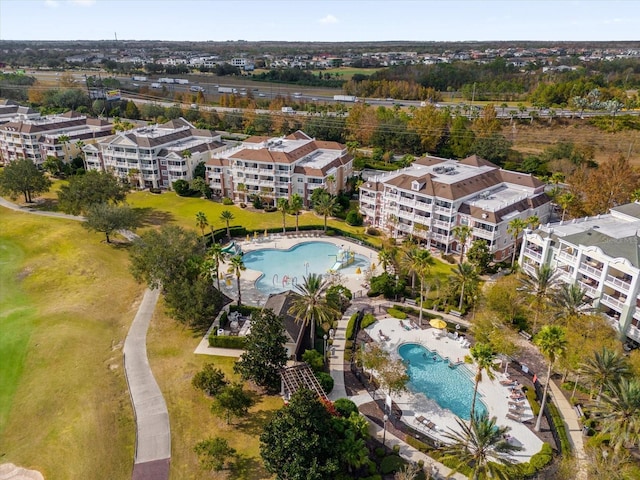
(565, 445)
(397, 313)
(257, 203)
(223, 341)
(245, 310)
(351, 325)
(155, 190)
(417, 444)
(270, 209)
(314, 359)
(227, 201)
(354, 218)
(543, 457)
(531, 396)
(448, 258)
(243, 205)
(374, 232)
(224, 319)
(181, 187)
(345, 407)
(380, 452)
(326, 381)
(391, 464)
(367, 320)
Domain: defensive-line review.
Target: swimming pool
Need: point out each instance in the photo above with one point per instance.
(282, 269)
(451, 388)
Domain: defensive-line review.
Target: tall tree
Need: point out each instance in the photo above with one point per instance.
(515, 228)
(423, 263)
(210, 380)
(393, 376)
(480, 446)
(299, 442)
(108, 218)
(92, 188)
(483, 356)
(552, 342)
(605, 367)
(311, 307)
(295, 206)
(21, 176)
(373, 357)
(215, 256)
(226, 216)
(461, 137)
(465, 278)
(283, 207)
(202, 221)
(571, 301)
(461, 233)
(326, 206)
(236, 266)
(214, 453)
(430, 124)
(264, 354)
(64, 140)
(408, 262)
(232, 401)
(541, 287)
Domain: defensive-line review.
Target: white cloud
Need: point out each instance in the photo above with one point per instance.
(51, 3)
(328, 20)
(83, 3)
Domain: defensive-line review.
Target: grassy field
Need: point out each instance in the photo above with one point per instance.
(170, 349)
(66, 302)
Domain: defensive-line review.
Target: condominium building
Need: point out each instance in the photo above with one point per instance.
(432, 196)
(154, 156)
(12, 111)
(60, 136)
(602, 255)
(279, 167)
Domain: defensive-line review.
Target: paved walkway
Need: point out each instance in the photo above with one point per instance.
(153, 439)
(153, 434)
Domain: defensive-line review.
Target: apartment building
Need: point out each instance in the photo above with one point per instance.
(602, 255)
(61, 136)
(279, 167)
(154, 156)
(12, 111)
(432, 196)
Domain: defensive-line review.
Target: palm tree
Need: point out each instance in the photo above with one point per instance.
(215, 256)
(423, 263)
(80, 145)
(236, 266)
(466, 277)
(605, 367)
(295, 206)
(565, 200)
(462, 234)
(540, 286)
(283, 206)
(64, 140)
(408, 262)
(515, 228)
(553, 344)
(481, 446)
(533, 221)
(226, 216)
(331, 180)
(571, 301)
(385, 257)
(620, 411)
(311, 306)
(201, 221)
(483, 355)
(242, 188)
(325, 206)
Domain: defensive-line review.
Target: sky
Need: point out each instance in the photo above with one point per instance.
(327, 20)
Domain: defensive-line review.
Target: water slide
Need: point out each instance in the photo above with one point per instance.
(231, 248)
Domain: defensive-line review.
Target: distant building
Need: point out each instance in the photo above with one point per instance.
(279, 167)
(602, 255)
(154, 156)
(429, 198)
(60, 136)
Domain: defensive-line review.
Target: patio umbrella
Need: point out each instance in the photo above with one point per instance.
(358, 271)
(265, 233)
(247, 237)
(438, 323)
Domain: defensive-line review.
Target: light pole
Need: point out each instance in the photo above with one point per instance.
(324, 351)
(384, 431)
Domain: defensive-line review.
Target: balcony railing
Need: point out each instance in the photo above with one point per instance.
(633, 333)
(439, 209)
(612, 302)
(441, 224)
(533, 254)
(591, 270)
(562, 255)
(482, 233)
(588, 289)
(618, 282)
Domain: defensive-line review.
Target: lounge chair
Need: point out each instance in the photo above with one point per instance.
(516, 404)
(419, 419)
(515, 417)
(429, 424)
(508, 383)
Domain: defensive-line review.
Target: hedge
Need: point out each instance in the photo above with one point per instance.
(531, 468)
(391, 464)
(245, 310)
(395, 313)
(416, 312)
(224, 319)
(351, 326)
(565, 445)
(531, 396)
(417, 444)
(368, 320)
(224, 341)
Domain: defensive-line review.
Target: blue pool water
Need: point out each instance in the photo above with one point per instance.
(451, 388)
(293, 264)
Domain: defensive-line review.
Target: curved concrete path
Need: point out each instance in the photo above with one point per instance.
(153, 439)
(153, 434)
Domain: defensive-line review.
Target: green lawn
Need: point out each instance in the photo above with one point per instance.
(170, 349)
(66, 301)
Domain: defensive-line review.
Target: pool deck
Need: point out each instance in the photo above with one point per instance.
(252, 296)
(494, 395)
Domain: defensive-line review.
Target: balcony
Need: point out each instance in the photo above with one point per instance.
(567, 257)
(533, 254)
(618, 282)
(439, 237)
(404, 227)
(633, 333)
(439, 209)
(482, 233)
(441, 224)
(612, 302)
(589, 290)
(529, 269)
(593, 271)
(407, 201)
(391, 198)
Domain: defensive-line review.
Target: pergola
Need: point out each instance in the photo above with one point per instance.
(300, 376)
